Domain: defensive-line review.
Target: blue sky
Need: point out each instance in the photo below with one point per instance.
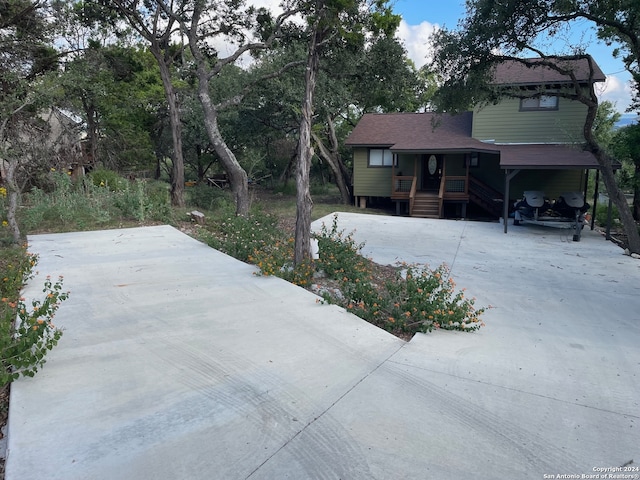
(422, 17)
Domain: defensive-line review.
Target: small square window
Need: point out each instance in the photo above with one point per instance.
(380, 157)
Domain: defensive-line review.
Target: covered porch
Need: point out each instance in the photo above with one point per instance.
(438, 179)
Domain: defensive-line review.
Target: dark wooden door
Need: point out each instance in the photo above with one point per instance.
(431, 172)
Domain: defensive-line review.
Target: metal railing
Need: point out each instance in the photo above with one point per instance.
(401, 186)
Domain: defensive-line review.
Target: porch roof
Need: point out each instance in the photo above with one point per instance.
(545, 157)
(417, 132)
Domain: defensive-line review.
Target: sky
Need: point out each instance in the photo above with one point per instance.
(420, 18)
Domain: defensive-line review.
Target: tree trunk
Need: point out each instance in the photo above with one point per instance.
(238, 179)
(92, 131)
(334, 163)
(13, 193)
(177, 175)
(636, 192)
(608, 176)
(304, 203)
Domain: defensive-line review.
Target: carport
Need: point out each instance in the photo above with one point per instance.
(516, 158)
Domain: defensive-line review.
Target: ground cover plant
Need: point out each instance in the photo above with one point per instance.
(403, 300)
(26, 332)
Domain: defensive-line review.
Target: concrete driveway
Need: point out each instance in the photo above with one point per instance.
(178, 363)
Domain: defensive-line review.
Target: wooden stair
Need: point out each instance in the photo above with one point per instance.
(426, 205)
(486, 197)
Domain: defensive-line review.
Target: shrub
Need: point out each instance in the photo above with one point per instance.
(101, 177)
(602, 213)
(26, 333)
(68, 205)
(240, 236)
(207, 198)
(414, 299)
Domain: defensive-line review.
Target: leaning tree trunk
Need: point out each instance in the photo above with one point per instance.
(333, 163)
(177, 173)
(304, 203)
(237, 175)
(636, 191)
(608, 176)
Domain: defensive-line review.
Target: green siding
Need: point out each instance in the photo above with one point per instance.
(552, 182)
(369, 182)
(504, 123)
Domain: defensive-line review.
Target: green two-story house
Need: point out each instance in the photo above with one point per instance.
(433, 165)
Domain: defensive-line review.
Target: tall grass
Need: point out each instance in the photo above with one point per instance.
(91, 203)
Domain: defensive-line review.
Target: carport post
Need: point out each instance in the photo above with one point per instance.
(505, 215)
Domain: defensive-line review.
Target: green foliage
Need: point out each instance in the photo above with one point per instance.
(241, 236)
(602, 213)
(413, 299)
(5, 234)
(26, 333)
(207, 198)
(67, 205)
(95, 201)
(102, 177)
(417, 299)
(144, 201)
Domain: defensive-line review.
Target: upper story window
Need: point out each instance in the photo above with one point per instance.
(544, 102)
(380, 157)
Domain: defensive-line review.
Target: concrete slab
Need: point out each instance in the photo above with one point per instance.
(178, 362)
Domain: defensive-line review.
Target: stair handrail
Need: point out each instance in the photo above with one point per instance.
(484, 192)
(412, 193)
(443, 182)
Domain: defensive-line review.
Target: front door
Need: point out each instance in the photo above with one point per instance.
(431, 172)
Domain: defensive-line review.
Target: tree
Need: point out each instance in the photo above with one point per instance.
(336, 22)
(625, 146)
(375, 77)
(493, 32)
(205, 21)
(26, 61)
(157, 24)
(117, 92)
(605, 122)
(617, 22)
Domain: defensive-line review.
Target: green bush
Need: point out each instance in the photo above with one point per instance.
(207, 198)
(602, 212)
(240, 236)
(68, 205)
(78, 205)
(26, 333)
(414, 299)
(102, 177)
(417, 299)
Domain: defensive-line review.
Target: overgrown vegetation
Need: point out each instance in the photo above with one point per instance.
(413, 298)
(98, 200)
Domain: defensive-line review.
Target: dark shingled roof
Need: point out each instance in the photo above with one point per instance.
(412, 132)
(516, 73)
(545, 156)
(434, 133)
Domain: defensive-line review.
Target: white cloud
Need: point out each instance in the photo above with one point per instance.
(616, 90)
(416, 40)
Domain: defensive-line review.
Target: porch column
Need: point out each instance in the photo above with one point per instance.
(509, 174)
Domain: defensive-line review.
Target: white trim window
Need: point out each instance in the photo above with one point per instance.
(544, 102)
(380, 157)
